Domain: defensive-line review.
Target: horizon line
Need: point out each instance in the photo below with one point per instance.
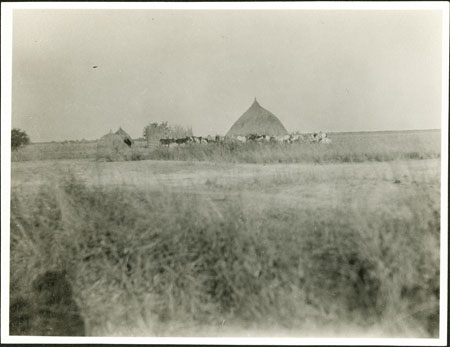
(328, 132)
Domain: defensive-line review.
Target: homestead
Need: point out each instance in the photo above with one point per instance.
(255, 125)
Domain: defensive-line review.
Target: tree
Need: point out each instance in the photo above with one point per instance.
(162, 130)
(156, 131)
(178, 132)
(19, 138)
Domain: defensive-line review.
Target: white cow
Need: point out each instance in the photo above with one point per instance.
(295, 138)
(242, 139)
(283, 139)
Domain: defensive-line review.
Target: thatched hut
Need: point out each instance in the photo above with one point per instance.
(125, 137)
(257, 120)
(114, 146)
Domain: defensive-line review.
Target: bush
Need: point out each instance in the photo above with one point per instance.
(19, 139)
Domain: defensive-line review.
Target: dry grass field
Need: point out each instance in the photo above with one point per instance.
(221, 248)
(346, 147)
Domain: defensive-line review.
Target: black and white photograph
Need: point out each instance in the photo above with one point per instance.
(271, 173)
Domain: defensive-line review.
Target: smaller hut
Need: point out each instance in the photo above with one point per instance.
(124, 135)
(115, 146)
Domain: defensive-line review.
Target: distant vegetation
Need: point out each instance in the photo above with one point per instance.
(155, 131)
(19, 138)
(157, 262)
(349, 147)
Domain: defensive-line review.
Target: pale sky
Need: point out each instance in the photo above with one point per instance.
(315, 70)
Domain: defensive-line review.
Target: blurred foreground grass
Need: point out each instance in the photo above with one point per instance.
(171, 262)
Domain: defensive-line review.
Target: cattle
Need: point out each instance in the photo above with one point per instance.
(284, 139)
(315, 137)
(294, 138)
(279, 139)
(319, 137)
(260, 138)
(181, 141)
(166, 142)
(251, 137)
(257, 138)
(242, 139)
(194, 139)
(322, 136)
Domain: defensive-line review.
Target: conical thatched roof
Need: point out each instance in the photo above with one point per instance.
(257, 120)
(124, 135)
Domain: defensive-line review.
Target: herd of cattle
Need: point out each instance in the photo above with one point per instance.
(291, 138)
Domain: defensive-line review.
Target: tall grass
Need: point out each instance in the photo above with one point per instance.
(344, 148)
(163, 262)
(285, 153)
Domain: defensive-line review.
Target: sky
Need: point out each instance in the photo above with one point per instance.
(315, 70)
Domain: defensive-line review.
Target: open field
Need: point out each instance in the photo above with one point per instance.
(345, 147)
(185, 248)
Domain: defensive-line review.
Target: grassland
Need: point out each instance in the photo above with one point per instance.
(345, 147)
(179, 248)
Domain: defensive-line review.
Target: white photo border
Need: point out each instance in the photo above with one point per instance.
(6, 84)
